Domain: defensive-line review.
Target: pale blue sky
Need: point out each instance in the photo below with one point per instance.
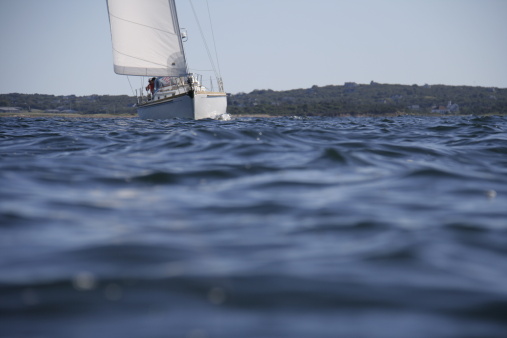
(63, 47)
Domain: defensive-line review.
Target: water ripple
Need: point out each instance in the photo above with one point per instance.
(319, 226)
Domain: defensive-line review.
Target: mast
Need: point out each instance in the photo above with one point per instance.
(177, 28)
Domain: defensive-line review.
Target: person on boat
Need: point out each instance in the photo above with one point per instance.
(151, 86)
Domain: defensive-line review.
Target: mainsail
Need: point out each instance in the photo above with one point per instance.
(146, 38)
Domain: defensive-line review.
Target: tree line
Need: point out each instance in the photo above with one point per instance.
(370, 99)
(348, 99)
(92, 104)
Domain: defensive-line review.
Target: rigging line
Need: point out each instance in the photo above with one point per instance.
(203, 39)
(132, 89)
(213, 36)
(140, 24)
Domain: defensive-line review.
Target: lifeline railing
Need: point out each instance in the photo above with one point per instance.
(181, 85)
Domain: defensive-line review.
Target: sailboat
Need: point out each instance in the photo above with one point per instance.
(147, 41)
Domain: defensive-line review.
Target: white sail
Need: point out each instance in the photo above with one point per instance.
(146, 38)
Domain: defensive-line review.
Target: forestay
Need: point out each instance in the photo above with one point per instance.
(146, 38)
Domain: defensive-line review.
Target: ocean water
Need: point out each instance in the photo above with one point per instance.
(276, 227)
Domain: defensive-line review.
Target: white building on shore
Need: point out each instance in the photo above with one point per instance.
(450, 108)
(9, 109)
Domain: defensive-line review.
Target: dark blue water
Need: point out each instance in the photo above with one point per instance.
(282, 227)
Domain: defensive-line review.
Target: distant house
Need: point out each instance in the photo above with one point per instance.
(350, 87)
(91, 98)
(440, 110)
(9, 109)
(450, 108)
(414, 107)
(453, 107)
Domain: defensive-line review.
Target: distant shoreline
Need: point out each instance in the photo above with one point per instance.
(37, 114)
(348, 100)
(24, 113)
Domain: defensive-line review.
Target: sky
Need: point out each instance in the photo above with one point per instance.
(63, 47)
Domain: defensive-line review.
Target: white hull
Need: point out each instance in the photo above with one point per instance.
(201, 106)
